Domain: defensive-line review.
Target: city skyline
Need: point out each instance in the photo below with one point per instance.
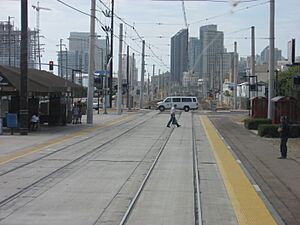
(157, 30)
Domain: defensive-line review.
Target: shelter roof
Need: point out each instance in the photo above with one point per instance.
(39, 81)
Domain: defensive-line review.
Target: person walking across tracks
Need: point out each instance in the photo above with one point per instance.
(284, 135)
(173, 118)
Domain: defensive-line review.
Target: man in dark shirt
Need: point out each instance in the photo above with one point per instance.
(284, 135)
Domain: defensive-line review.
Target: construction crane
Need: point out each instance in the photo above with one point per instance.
(184, 15)
(38, 8)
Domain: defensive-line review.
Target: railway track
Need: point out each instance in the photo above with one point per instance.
(196, 180)
(95, 147)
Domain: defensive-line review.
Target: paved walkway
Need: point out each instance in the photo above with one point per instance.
(52, 135)
(278, 179)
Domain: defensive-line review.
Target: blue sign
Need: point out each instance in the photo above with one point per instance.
(11, 120)
(101, 72)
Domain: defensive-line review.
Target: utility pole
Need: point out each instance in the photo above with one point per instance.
(252, 56)
(132, 94)
(148, 88)
(158, 89)
(152, 83)
(221, 79)
(120, 78)
(142, 76)
(38, 8)
(128, 80)
(271, 58)
(24, 69)
(9, 41)
(60, 51)
(67, 77)
(235, 76)
(111, 51)
(91, 64)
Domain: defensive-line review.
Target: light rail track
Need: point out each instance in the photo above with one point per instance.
(96, 149)
(197, 198)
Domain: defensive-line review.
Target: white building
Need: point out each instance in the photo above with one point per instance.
(190, 79)
(243, 90)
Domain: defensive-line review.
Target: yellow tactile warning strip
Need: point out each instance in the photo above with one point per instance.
(27, 151)
(248, 206)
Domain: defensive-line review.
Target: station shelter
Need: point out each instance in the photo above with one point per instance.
(49, 96)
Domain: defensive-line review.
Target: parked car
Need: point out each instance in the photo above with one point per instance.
(183, 102)
(95, 105)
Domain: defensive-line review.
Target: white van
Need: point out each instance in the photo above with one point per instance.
(183, 102)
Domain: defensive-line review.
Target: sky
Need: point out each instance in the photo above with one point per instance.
(157, 21)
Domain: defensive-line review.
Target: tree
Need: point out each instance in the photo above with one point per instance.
(285, 81)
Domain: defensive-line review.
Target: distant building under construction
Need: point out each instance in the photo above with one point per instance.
(10, 46)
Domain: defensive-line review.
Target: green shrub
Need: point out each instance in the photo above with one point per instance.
(294, 131)
(270, 130)
(253, 123)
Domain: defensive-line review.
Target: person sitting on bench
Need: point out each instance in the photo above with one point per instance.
(34, 122)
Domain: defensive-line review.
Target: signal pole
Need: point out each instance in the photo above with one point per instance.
(24, 69)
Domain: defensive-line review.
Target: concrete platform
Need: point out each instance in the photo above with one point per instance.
(98, 188)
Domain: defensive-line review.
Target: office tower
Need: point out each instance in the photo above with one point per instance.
(194, 55)
(179, 56)
(212, 49)
(264, 55)
(77, 56)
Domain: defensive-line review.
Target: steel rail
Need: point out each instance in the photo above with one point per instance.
(198, 211)
(65, 147)
(138, 193)
(93, 150)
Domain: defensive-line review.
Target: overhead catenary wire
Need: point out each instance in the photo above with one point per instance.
(225, 14)
(97, 19)
(78, 10)
(134, 29)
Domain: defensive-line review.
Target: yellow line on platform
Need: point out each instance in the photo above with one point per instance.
(30, 150)
(248, 206)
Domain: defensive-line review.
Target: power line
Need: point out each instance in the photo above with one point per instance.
(225, 14)
(87, 14)
(139, 36)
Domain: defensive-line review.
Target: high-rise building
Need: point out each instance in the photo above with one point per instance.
(132, 71)
(77, 56)
(194, 55)
(212, 49)
(179, 56)
(264, 55)
(10, 46)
